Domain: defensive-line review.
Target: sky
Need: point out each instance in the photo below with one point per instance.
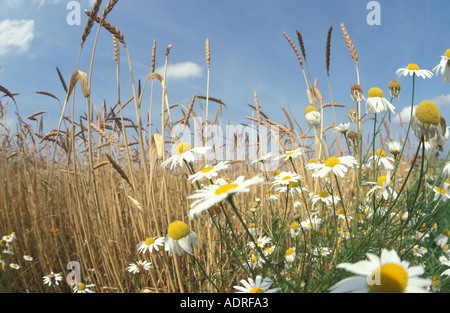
(249, 54)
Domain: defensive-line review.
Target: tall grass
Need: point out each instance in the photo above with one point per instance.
(91, 190)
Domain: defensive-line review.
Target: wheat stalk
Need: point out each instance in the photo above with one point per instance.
(90, 21)
(351, 47)
(108, 26)
(119, 169)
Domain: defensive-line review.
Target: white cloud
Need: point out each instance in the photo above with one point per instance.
(40, 3)
(441, 100)
(15, 35)
(181, 70)
(405, 114)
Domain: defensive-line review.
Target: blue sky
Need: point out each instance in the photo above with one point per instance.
(248, 52)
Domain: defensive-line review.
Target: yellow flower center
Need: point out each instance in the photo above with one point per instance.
(428, 113)
(413, 67)
(252, 225)
(178, 230)
(332, 162)
(294, 226)
(310, 109)
(286, 178)
(149, 241)
(375, 92)
(447, 53)
(294, 184)
(323, 194)
(288, 153)
(392, 279)
(312, 161)
(381, 180)
(277, 172)
(256, 290)
(446, 232)
(289, 251)
(225, 188)
(441, 191)
(380, 153)
(81, 286)
(447, 181)
(183, 147)
(207, 169)
(254, 259)
(340, 212)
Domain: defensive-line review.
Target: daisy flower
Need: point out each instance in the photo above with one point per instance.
(352, 115)
(259, 285)
(439, 193)
(443, 259)
(291, 154)
(184, 152)
(269, 250)
(383, 184)
(394, 147)
(312, 116)
(254, 262)
(321, 251)
(270, 197)
(294, 188)
(343, 128)
(356, 93)
(295, 229)
(290, 255)
(394, 89)
(382, 160)
(442, 239)
(261, 242)
(14, 266)
(139, 266)
(343, 216)
(219, 191)
(337, 165)
(311, 223)
(150, 244)
(444, 67)
(413, 69)
(384, 274)
(180, 238)
(262, 158)
(28, 258)
(7, 238)
(326, 198)
(426, 122)
(417, 251)
(52, 278)
(376, 103)
(284, 178)
(82, 288)
(13, 236)
(252, 229)
(209, 172)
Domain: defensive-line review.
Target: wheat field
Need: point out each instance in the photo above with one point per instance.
(100, 202)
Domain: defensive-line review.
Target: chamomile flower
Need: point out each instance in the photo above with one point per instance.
(394, 147)
(209, 172)
(439, 193)
(268, 250)
(352, 115)
(291, 154)
(252, 229)
(149, 244)
(413, 69)
(321, 251)
(382, 160)
(326, 198)
(341, 214)
(83, 288)
(259, 285)
(262, 158)
(14, 266)
(285, 178)
(311, 223)
(219, 191)
(295, 229)
(442, 239)
(376, 103)
(261, 242)
(443, 259)
(426, 122)
(290, 255)
(444, 67)
(337, 165)
(270, 197)
(383, 184)
(52, 278)
(184, 152)
(139, 266)
(394, 89)
(356, 93)
(7, 238)
(28, 258)
(384, 274)
(255, 261)
(180, 238)
(312, 116)
(343, 128)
